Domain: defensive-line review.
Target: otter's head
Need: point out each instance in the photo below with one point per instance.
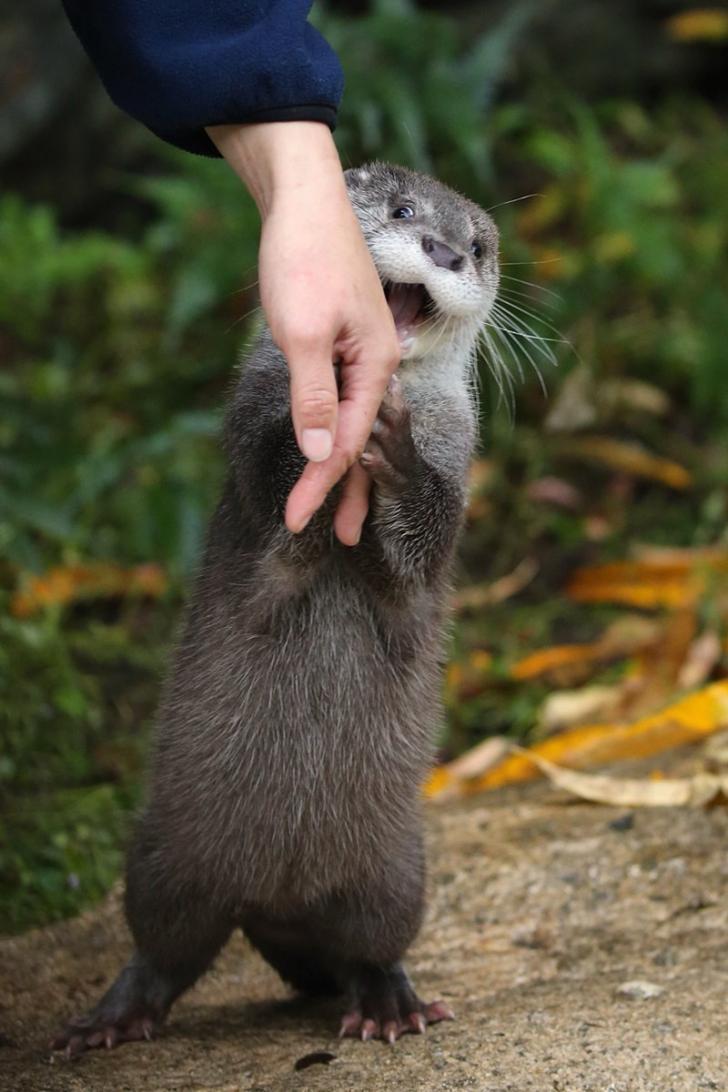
(436, 253)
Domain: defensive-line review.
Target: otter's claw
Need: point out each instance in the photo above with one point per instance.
(386, 1006)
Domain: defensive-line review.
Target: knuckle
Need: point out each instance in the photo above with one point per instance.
(317, 402)
(303, 337)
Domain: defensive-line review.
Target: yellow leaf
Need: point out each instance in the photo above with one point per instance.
(629, 458)
(699, 25)
(673, 594)
(439, 780)
(547, 660)
(622, 638)
(670, 581)
(70, 583)
(686, 721)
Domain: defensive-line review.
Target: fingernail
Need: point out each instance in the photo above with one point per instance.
(316, 444)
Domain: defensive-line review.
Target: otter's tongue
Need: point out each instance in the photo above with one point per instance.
(406, 302)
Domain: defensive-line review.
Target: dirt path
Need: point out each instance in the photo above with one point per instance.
(540, 910)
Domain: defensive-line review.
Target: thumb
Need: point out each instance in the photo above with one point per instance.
(314, 403)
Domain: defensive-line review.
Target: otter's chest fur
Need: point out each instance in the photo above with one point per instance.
(309, 720)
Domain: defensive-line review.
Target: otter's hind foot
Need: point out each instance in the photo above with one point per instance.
(133, 1008)
(96, 1030)
(384, 1005)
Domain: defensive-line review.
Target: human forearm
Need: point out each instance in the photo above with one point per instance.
(323, 301)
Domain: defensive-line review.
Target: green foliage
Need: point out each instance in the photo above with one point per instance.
(630, 225)
(115, 355)
(417, 92)
(58, 853)
(66, 780)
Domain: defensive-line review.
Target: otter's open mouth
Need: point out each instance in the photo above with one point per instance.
(410, 305)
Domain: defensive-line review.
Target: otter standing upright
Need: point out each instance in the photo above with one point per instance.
(298, 721)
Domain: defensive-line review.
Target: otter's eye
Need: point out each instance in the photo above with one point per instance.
(476, 249)
(404, 212)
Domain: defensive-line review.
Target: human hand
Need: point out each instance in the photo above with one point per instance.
(324, 302)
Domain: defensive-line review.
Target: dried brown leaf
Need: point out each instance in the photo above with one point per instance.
(447, 782)
(633, 792)
(478, 596)
(628, 458)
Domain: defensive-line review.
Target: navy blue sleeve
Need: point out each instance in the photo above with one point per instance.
(179, 65)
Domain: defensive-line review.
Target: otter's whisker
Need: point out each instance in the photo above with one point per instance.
(539, 344)
(242, 318)
(443, 327)
(531, 284)
(514, 201)
(509, 309)
(498, 367)
(507, 291)
(506, 335)
(511, 305)
(533, 261)
(526, 342)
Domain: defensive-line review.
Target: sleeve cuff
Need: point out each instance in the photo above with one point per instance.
(201, 144)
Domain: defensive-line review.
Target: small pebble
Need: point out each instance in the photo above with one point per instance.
(623, 822)
(639, 991)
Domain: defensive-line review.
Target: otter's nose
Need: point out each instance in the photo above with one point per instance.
(441, 254)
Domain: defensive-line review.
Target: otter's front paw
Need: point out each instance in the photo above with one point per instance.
(390, 456)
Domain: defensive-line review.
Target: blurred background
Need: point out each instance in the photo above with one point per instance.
(595, 558)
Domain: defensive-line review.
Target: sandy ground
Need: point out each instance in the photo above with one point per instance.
(541, 909)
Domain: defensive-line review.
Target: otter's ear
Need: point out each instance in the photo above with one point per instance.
(356, 177)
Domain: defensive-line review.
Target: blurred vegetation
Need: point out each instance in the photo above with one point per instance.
(116, 352)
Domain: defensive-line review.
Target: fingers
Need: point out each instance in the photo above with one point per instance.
(314, 398)
(353, 506)
(363, 390)
(312, 488)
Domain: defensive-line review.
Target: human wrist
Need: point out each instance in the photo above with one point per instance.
(281, 160)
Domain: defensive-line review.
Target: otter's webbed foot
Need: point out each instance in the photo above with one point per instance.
(384, 1005)
(390, 456)
(133, 1008)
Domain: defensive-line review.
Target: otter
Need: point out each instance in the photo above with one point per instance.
(299, 719)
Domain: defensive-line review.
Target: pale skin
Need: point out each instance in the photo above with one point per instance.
(324, 304)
